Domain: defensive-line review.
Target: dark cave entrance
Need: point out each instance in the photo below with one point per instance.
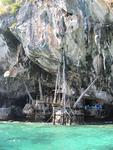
(97, 110)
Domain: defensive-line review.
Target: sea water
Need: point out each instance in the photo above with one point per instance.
(34, 136)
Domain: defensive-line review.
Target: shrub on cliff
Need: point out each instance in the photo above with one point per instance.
(9, 6)
(7, 2)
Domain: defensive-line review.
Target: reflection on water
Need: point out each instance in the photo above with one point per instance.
(32, 136)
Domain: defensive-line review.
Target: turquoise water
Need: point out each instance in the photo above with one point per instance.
(32, 136)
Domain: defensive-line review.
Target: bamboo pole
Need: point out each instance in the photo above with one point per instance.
(81, 96)
(53, 115)
(55, 94)
(59, 86)
(41, 94)
(30, 97)
(56, 84)
(64, 89)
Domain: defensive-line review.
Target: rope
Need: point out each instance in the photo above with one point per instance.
(49, 118)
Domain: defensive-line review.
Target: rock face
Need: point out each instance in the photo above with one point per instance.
(46, 28)
(5, 113)
(34, 39)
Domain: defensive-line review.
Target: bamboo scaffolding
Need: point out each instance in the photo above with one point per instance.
(55, 94)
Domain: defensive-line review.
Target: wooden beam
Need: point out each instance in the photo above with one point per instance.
(64, 88)
(30, 97)
(81, 96)
(56, 85)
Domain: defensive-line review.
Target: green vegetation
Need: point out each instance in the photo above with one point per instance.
(9, 6)
(7, 2)
(15, 7)
(3, 11)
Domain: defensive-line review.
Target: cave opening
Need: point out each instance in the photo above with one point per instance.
(97, 110)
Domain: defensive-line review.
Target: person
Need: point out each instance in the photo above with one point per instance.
(98, 108)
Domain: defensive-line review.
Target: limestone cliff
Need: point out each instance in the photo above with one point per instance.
(38, 33)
